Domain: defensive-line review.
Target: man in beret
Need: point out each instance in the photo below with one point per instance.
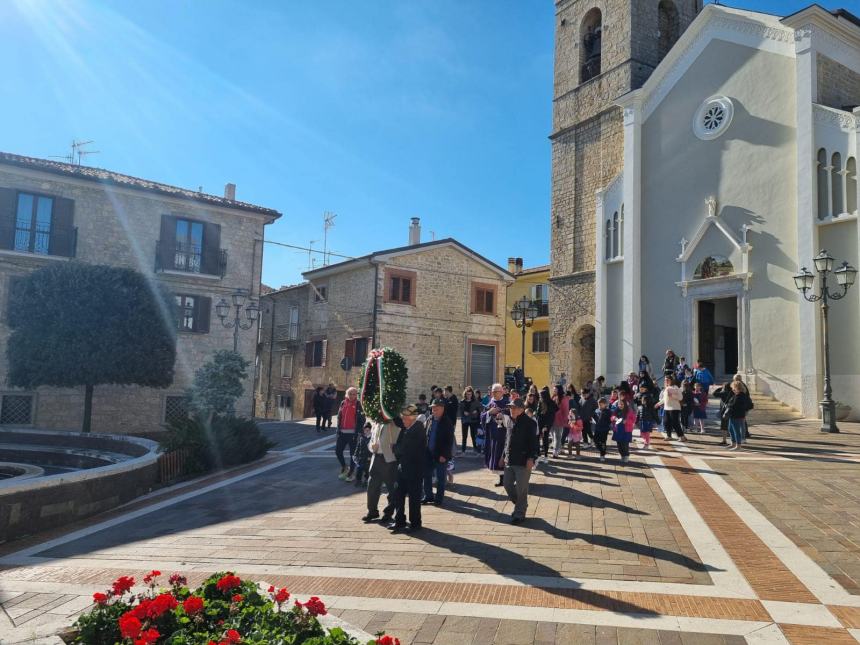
(411, 452)
(440, 444)
(521, 450)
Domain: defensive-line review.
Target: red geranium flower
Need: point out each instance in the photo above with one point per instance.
(271, 588)
(121, 585)
(177, 581)
(315, 607)
(152, 575)
(233, 636)
(281, 595)
(100, 598)
(192, 605)
(387, 640)
(238, 597)
(148, 637)
(129, 625)
(228, 582)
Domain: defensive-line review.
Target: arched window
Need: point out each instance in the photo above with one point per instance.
(713, 266)
(851, 185)
(590, 38)
(607, 239)
(621, 232)
(836, 184)
(823, 181)
(668, 25)
(615, 231)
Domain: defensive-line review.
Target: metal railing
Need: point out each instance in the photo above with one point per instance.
(41, 239)
(188, 258)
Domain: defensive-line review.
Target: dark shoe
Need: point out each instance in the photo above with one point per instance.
(517, 520)
(386, 519)
(437, 502)
(399, 528)
(425, 502)
(370, 517)
(394, 526)
(412, 529)
(497, 484)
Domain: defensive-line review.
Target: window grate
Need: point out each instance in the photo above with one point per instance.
(175, 408)
(16, 409)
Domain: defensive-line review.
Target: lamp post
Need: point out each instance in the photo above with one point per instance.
(804, 281)
(252, 311)
(523, 313)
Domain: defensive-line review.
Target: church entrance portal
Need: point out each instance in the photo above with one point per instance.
(717, 333)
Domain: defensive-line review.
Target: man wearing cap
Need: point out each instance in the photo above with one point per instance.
(440, 443)
(521, 451)
(383, 470)
(411, 452)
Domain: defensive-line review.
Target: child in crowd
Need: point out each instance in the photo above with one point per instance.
(686, 404)
(622, 432)
(574, 436)
(422, 406)
(646, 401)
(602, 424)
(700, 406)
(361, 457)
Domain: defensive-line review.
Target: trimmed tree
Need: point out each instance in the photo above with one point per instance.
(76, 324)
(218, 384)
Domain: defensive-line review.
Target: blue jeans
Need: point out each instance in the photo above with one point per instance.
(440, 470)
(736, 429)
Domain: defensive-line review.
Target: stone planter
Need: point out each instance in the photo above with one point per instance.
(68, 635)
(842, 411)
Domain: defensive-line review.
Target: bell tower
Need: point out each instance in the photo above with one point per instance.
(603, 50)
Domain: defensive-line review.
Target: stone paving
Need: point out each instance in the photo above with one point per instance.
(689, 544)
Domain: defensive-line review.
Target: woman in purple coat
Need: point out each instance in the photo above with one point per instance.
(496, 423)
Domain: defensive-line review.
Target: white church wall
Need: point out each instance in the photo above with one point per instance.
(840, 240)
(751, 170)
(614, 323)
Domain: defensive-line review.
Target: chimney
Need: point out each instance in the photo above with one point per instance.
(230, 192)
(512, 265)
(415, 231)
(519, 265)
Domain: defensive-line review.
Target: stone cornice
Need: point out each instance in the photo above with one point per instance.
(846, 121)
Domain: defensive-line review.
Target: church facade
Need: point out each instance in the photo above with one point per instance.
(737, 164)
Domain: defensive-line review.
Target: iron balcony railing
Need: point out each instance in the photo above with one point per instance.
(189, 258)
(42, 239)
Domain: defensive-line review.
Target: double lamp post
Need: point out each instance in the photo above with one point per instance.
(523, 313)
(804, 281)
(252, 312)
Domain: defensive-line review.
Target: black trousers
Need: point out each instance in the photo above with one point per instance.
(672, 422)
(600, 441)
(685, 417)
(411, 485)
(469, 428)
(586, 431)
(544, 436)
(624, 448)
(344, 440)
(320, 422)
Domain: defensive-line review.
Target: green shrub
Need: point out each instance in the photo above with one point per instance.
(225, 441)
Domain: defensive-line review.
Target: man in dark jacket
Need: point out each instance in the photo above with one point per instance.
(452, 405)
(440, 444)
(411, 452)
(320, 403)
(521, 451)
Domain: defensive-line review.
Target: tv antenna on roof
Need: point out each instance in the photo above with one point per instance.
(328, 222)
(311, 250)
(77, 152)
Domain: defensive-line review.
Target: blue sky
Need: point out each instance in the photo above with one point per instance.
(376, 110)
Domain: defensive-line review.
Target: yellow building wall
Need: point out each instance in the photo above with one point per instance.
(536, 365)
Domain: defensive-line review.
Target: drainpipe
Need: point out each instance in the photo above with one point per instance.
(375, 294)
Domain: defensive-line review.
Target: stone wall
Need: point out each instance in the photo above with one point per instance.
(838, 86)
(120, 227)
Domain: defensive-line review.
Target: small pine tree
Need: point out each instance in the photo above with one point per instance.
(218, 384)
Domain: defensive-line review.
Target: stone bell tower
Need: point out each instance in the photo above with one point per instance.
(603, 50)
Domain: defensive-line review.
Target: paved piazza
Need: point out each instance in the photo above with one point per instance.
(689, 544)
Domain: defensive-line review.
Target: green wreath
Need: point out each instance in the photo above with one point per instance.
(386, 367)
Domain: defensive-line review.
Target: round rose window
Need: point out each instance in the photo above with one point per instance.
(713, 117)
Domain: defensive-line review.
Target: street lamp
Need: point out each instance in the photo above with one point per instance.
(804, 281)
(523, 313)
(252, 311)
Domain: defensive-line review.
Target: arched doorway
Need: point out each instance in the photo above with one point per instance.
(582, 369)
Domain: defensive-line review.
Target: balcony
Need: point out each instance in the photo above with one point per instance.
(543, 308)
(190, 258)
(39, 240)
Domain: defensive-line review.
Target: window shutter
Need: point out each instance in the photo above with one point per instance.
(202, 313)
(63, 232)
(210, 260)
(406, 290)
(166, 254)
(349, 349)
(488, 299)
(8, 208)
(324, 352)
(309, 354)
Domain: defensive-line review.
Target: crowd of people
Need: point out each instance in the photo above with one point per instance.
(515, 431)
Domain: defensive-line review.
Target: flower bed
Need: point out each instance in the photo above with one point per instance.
(224, 610)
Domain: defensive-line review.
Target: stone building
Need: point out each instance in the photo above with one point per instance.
(739, 164)
(201, 247)
(533, 284)
(439, 303)
(603, 50)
